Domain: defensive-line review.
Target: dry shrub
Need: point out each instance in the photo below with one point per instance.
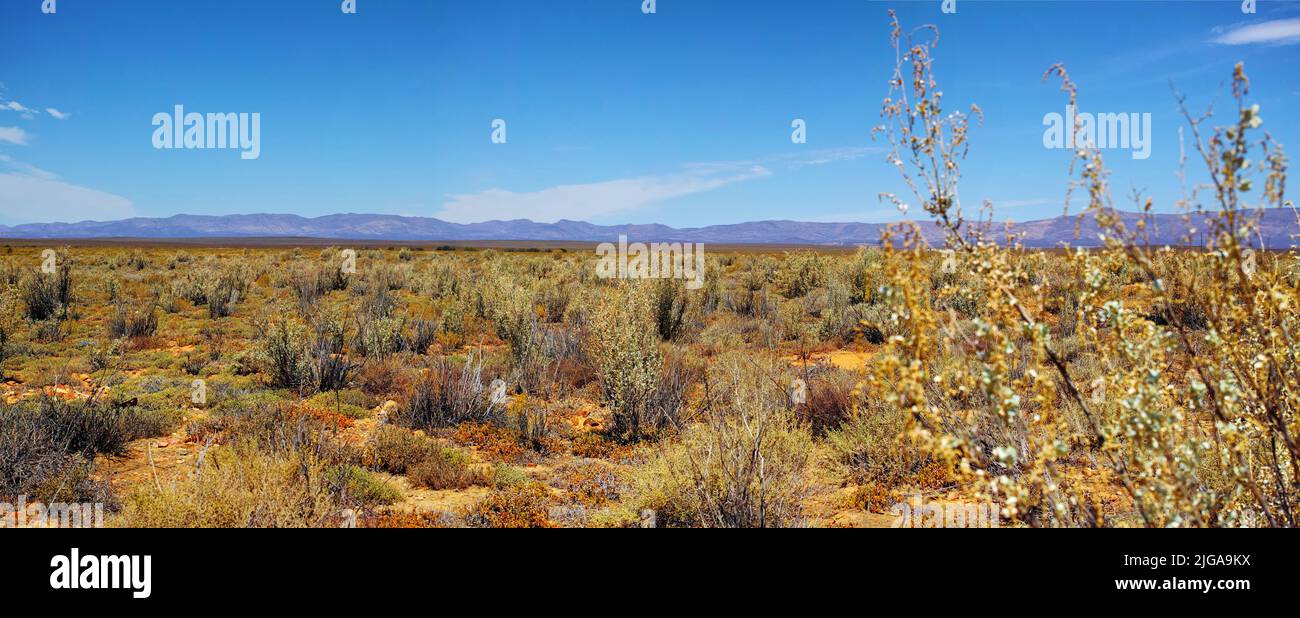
(407, 519)
(397, 450)
(36, 457)
(801, 272)
(625, 348)
(448, 469)
(872, 497)
(48, 295)
(872, 445)
(594, 484)
(746, 466)
(128, 323)
(383, 378)
(284, 355)
(830, 400)
(492, 441)
(523, 505)
(423, 460)
(275, 426)
(645, 390)
(529, 418)
(670, 303)
(445, 395)
(240, 487)
(591, 445)
(1193, 406)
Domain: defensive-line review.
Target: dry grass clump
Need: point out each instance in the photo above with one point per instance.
(48, 295)
(872, 445)
(746, 465)
(830, 400)
(445, 395)
(242, 486)
(133, 323)
(262, 464)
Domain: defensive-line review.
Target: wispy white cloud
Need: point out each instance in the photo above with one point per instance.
(14, 106)
(831, 155)
(586, 201)
(793, 160)
(58, 115)
(29, 194)
(13, 135)
(1275, 32)
(25, 168)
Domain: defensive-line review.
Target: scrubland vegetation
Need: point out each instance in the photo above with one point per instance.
(1126, 385)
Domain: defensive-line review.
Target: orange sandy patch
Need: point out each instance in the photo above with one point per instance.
(173, 459)
(852, 360)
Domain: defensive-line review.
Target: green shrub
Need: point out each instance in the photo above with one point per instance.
(625, 348)
(447, 468)
(354, 484)
(283, 352)
(424, 461)
(801, 273)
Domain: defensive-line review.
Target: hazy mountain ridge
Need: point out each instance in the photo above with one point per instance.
(1279, 229)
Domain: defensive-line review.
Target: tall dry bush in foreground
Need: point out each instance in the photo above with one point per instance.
(1193, 420)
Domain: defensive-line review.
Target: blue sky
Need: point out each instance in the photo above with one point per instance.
(680, 117)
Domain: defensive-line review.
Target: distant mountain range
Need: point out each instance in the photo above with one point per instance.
(1279, 230)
